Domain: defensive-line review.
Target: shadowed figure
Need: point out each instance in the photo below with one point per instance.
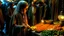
(19, 19)
(1, 19)
(9, 14)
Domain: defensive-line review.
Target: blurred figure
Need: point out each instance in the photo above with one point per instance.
(44, 6)
(31, 13)
(1, 18)
(19, 19)
(48, 10)
(39, 11)
(4, 8)
(9, 14)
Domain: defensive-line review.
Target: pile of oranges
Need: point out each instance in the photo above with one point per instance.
(41, 27)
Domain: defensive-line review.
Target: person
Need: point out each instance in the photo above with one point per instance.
(39, 11)
(9, 14)
(1, 19)
(31, 13)
(48, 10)
(19, 18)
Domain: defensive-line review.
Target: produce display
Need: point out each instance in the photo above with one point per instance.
(49, 29)
(41, 27)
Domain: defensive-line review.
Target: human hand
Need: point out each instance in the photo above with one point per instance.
(28, 26)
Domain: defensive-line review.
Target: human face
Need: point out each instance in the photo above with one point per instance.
(25, 9)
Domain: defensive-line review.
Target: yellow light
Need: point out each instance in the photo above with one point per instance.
(42, 21)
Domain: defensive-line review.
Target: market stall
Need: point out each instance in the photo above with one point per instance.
(42, 29)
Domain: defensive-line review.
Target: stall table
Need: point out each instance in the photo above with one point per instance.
(50, 29)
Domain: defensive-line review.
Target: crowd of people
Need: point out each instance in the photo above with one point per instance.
(21, 16)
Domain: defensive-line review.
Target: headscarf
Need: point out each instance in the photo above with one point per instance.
(20, 5)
